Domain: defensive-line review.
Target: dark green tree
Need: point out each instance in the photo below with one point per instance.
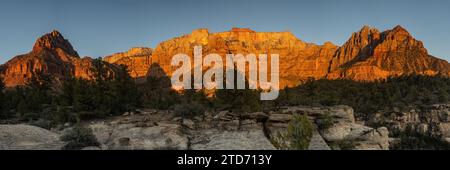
(238, 100)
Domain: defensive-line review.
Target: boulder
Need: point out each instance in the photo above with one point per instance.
(337, 132)
(188, 123)
(444, 129)
(102, 132)
(367, 138)
(26, 137)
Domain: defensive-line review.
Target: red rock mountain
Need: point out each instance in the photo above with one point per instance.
(51, 54)
(371, 55)
(368, 55)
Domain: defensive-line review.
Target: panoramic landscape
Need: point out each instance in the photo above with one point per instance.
(376, 89)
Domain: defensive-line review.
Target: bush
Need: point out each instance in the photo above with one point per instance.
(189, 110)
(297, 136)
(238, 100)
(46, 124)
(325, 121)
(79, 137)
(345, 144)
(416, 141)
(369, 97)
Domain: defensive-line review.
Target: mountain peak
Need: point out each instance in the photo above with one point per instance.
(367, 29)
(399, 31)
(52, 41)
(399, 28)
(329, 44)
(56, 33)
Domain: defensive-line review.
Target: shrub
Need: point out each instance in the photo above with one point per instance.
(416, 141)
(345, 144)
(79, 137)
(238, 100)
(297, 136)
(189, 109)
(369, 97)
(325, 121)
(46, 124)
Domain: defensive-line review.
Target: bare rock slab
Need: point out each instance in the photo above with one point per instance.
(232, 140)
(26, 137)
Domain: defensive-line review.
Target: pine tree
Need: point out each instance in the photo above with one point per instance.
(238, 100)
(3, 111)
(124, 91)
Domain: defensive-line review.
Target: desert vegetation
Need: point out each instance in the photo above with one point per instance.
(298, 134)
(369, 97)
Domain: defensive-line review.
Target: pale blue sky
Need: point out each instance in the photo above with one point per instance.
(99, 27)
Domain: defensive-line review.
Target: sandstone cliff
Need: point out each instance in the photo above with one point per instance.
(296, 56)
(52, 55)
(137, 60)
(371, 55)
(368, 55)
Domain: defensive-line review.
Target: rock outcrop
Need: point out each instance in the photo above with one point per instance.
(162, 129)
(226, 130)
(26, 137)
(52, 55)
(137, 60)
(132, 137)
(153, 129)
(433, 120)
(149, 130)
(368, 55)
(232, 140)
(296, 56)
(341, 128)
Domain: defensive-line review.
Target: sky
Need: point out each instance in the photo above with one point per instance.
(101, 27)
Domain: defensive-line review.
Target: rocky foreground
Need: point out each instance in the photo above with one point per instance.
(155, 129)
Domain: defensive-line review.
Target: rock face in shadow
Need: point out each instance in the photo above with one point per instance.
(430, 120)
(368, 55)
